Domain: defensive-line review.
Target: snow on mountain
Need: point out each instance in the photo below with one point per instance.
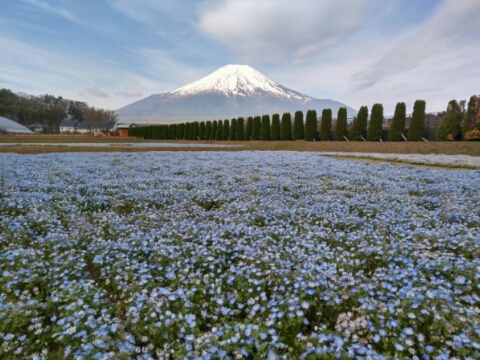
(231, 91)
(238, 80)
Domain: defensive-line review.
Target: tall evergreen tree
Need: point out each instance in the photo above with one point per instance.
(417, 125)
(233, 129)
(286, 129)
(214, 129)
(341, 126)
(183, 131)
(451, 129)
(195, 130)
(240, 133)
(201, 131)
(398, 122)
(180, 130)
(265, 128)
(470, 116)
(359, 126)
(311, 125)
(275, 128)
(248, 131)
(186, 134)
(257, 124)
(226, 129)
(376, 123)
(219, 135)
(208, 130)
(326, 124)
(298, 126)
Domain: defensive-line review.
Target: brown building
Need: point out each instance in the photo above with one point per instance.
(122, 129)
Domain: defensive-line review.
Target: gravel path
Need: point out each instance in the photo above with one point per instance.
(429, 159)
(153, 144)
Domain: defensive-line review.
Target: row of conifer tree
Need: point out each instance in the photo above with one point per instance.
(261, 128)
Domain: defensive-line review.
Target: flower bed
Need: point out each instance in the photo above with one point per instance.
(239, 255)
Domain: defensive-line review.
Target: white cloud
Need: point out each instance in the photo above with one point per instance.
(453, 26)
(279, 29)
(129, 92)
(96, 91)
(55, 10)
(160, 16)
(174, 73)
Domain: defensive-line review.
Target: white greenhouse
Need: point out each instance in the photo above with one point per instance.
(12, 127)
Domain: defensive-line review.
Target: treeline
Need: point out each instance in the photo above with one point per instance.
(459, 122)
(462, 120)
(49, 110)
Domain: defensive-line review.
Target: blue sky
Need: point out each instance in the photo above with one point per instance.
(110, 53)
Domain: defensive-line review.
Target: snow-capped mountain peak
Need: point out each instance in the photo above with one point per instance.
(231, 91)
(238, 80)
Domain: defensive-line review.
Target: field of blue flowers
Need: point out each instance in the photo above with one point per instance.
(245, 255)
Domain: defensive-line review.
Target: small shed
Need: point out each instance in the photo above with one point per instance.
(122, 129)
(37, 128)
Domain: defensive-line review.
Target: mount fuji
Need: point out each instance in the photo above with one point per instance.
(231, 91)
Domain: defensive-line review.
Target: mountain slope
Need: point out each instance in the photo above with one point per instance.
(231, 91)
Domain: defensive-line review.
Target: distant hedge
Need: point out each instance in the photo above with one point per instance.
(458, 124)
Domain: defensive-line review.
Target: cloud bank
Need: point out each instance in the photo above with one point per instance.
(454, 26)
(276, 29)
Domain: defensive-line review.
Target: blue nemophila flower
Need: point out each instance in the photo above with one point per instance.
(132, 245)
(221, 353)
(272, 356)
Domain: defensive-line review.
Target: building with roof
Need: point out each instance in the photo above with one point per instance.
(37, 128)
(68, 126)
(122, 129)
(95, 128)
(12, 127)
